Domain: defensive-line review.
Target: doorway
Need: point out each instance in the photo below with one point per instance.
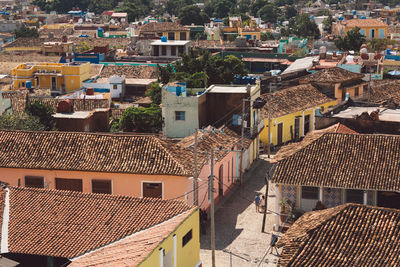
(280, 133)
(53, 83)
(306, 124)
(221, 181)
(297, 128)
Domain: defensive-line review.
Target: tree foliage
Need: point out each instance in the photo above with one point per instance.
(267, 36)
(351, 41)
(327, 24)
(268, 13)
(24, 31)
(154, 93)
(192, 14)
(302, 26)
(198, 65)
(379, 44)
(140, 119)
(43, 113)
(22, 121)
(290, 12)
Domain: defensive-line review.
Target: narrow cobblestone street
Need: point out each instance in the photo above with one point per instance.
(238, 237)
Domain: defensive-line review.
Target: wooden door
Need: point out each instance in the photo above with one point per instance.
(152, 190)
(69, 184)
(221, 181)
(280, 133)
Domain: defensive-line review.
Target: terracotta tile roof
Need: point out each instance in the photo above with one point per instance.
(18, 102)
(382, 91)
(87, 152)
(294, 99)
(365, 23)
(354, 161)
(67, 224)
(347, 235)
(162, 27)
(332, 75)
(132, 250)
(30, 42)
(137, 72)
(222, 137)
(290, 149)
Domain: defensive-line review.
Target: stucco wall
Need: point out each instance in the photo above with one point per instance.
(170, 104)
(122, 184)
(187, 256)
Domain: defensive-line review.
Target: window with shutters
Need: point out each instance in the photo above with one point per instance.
(34, 181)
(186, 238)
(309, 192)
(101, 186)
(69, 184)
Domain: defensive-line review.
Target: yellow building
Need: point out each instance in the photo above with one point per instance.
(292, 112)
(171, 30)
(370, 28)
(250, 33)
(55, 76)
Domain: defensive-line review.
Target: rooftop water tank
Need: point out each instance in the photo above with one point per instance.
(64, 106)
(90, 91)
(164, 39)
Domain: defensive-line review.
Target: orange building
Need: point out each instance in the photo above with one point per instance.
(141, 166)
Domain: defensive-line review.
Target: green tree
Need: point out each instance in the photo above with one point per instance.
(24, 31)
(256, 6)
(173, 7)
(269, 13)
(379, 44)
(23, 122)
(140, 119)
(244, 6)
(154, 93)
(267, 36)
(327, 24)
(165, 73)
(351, 41)
(192, 14)
(290, 12)
(42, 112)
(301, 26)
(222, 8)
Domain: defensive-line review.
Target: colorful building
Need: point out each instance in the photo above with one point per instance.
(370, 28)
(56, 76)
(140, 166)
(292, 113)
(346, 167)
(171, 30)
(250, 33)
(81, 228)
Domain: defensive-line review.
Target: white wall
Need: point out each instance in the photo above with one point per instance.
(170, 104)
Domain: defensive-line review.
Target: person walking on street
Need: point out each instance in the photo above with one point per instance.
(257, 201)
(262, 204)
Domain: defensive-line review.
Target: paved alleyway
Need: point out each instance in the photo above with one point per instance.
(239, 241)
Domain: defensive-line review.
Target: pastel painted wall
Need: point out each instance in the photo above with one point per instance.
(230, 176)
(379, 32)
(122, 184)
(68, 76)
(178, 35)
(186, 256)
(288, 121)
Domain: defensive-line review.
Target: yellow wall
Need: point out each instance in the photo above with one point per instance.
(178, 35)
(367, 31)
(71, 77)
(351, 90)
(288, 120)
(187, 256)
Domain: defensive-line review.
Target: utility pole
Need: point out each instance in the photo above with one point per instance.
(266, 202)
(211, 181)
(195, 183)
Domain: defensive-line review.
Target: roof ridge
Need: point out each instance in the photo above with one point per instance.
(91, 195)
(178, 162)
